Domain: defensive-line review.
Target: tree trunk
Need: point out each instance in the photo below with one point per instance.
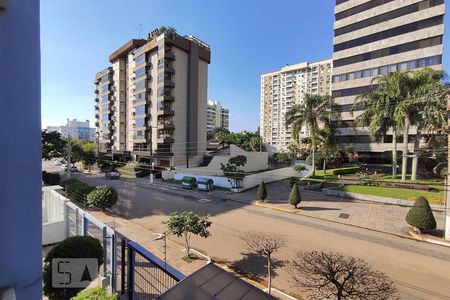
(415, 161)
(394, 151)
(186, 239)
(313, 161)
(269, 274)
(405, 149)
(324, 165)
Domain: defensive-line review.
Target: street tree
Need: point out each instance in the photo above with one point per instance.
(295, 197)
(420, 216)
(313, 112)
(327, 142)
(264, 244)
(232, 170)
(186, 224)
(326, 275)
(53, 145)
(262, 192)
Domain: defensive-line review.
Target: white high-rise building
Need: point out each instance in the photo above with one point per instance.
(75, 129)
(281, 90)
(217, 116)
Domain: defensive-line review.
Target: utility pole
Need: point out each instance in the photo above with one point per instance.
(69, 156)
(447, 200)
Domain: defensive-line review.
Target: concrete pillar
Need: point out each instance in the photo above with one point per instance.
(20, 136)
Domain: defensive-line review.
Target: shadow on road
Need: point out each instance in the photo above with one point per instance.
(254, 266)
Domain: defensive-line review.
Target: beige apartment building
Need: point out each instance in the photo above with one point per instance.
(217, 116)
(376, 37)
(152, 101)
(281, 90)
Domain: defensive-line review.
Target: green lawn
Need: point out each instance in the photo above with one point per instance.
(431, 181)
(126, 169)
(435, 195)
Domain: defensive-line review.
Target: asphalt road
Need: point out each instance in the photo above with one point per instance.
(420, 270)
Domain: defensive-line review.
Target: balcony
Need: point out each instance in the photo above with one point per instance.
(96, 91)
(97, 116)
(169, 55)
(165, 111)
(165, 139)
(161, 152)
(167, 125)
(169, 69)
(165, 97)
(169, 83)
(97, 99)
(96, 107)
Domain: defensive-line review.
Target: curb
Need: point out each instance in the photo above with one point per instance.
(428, 240)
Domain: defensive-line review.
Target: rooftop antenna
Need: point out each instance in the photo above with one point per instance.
(139, 28)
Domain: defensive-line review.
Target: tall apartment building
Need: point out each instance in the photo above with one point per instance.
(282, 89)
(373, 38)
(217, 116)
(75, 129)
(152, 101)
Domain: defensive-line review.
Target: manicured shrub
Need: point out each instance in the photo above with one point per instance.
(348, 170)
(106, 167)
(366, 181)
(440, 169)
(142, 173)
(102, 198)
(295, 197)
(421, 216)
(45, 177)
(67, 182)
(72, 247)
(78, 191)
(262, 193)
(300, 168)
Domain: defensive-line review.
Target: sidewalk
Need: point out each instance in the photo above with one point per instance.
(143, 236)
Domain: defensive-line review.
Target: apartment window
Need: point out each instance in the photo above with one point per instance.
(140, 110)
(105, 98)
(105, 88)
(388, 16)
(140, 72)
(140, 122)
(353, 91)
(139, 60)
(140, 97)
(140, 85)
(390, 33)
(105, 78)
(105, 117)
(429, 42)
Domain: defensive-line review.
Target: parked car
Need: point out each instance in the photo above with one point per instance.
(57, 163)
(71, 169)
(112, 175)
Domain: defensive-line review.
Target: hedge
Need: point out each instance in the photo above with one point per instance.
(50, 178)
(342, 171)
(77, 190)
(72, 247)
(95, 294)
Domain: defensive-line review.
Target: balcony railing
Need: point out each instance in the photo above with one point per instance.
(165, 125)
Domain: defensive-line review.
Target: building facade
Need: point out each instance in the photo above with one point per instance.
(376, 37)
(152, 101)
(75, 129)
(281, 90)
(217, 116)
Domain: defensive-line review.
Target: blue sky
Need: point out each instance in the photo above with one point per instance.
(247, 38)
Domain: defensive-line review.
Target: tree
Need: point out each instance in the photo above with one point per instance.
(249, 141)
(102, 198)
(88, 154)
(213, 134)
(233, 171)
(315, 111)
(293, 150)
(264, 244)
(327, 138)
(72, 247)
(334, 276)
(300, 168)
(262, 193)
(186, 224)
(53, 144)
(295, 197)
(420, 216)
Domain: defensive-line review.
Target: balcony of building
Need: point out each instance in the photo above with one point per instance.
(165, 110)
(165, 124)
(165, 138)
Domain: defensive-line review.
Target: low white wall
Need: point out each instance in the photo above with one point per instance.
(53, 232)
(250, 181)
(255, 160)
(53, 215)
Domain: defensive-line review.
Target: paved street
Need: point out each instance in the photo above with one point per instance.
(420, 270)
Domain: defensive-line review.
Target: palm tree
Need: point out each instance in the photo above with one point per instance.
(327, 138)
(420, 90)
(378, 111)
(313, 112)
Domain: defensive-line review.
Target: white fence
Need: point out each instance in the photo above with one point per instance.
(53, 215)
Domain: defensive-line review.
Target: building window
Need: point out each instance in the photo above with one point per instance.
(139, 60)
(105, 88)
(140, 122)
(140, 72)
(140, 110)
(140, 85)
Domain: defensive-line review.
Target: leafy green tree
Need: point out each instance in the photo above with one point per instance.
(88, 154)
(314, 111)
(295, 197)
(102, 198)
(249, 141)
(300, 168)
(72, 247)
(327, 139)
(420, 216)
(53, 144)
(232, 170)
(216, 132)
(188, 223)
(293, 150)
(262, 193)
